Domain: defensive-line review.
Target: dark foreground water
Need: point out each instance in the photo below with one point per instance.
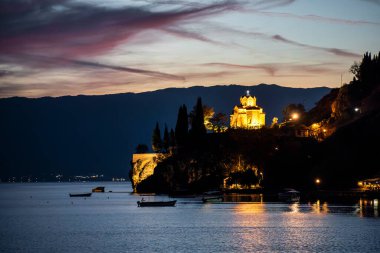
(41, 217)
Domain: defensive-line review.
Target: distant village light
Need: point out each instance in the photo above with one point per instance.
(295, 116)
(317, 181)
(356, 109)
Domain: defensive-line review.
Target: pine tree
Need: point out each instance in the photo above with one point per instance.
(172, 138)
(197, 121)
(182, 126)
(156, 139)
(166, 140)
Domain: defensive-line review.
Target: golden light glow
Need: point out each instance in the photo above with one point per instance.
(317, 181)
(360, 183)
(295, 116)
(315, 125)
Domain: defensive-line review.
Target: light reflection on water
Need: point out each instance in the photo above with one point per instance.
(42, 218)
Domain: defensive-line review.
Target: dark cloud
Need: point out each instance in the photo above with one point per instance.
(336, 51)
(64, 28)
(269, 68)
(273, 68)
(126, 69)
(373, 1)
(190, 35)
(44, 62)
(268, 4)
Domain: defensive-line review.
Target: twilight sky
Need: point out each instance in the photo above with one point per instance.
(70, 47)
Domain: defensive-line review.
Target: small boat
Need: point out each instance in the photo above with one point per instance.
(289, 195)
(212, 196)
(144, 203)
(98, 189)
(87, 194)
(212, 199)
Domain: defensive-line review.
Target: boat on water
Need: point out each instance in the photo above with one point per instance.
(144, 203)
(289, 195)
(212, 197)
(87, 194)
(98, 189)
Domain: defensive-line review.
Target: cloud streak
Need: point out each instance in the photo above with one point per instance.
(268, 4)
(269, 68)
(273, 68)
(127, 69)
(336, 51)
(315, 18)
(279, 38)
(67, 29)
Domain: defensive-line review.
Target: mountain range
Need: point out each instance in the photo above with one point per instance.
(83, 135)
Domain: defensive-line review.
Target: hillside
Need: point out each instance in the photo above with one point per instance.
(97, 134)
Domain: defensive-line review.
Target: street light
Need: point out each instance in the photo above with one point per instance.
(317, 181)
(295, 116)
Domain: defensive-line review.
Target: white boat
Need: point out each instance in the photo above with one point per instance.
(289, 195)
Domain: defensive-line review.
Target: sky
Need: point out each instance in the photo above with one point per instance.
(94, 47)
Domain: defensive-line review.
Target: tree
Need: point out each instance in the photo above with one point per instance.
(182, 126)
(156, 139)
(366, 75)
(219, 122)
(166, 140)
(208, 113)
(197, 119)
(171, 138)
(141, 149)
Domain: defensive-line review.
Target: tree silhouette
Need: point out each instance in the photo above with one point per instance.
(166, 140)
(171, 138)
(182, 126)
(156, 139)
(219, 122)
(197, 119)
(141, 149)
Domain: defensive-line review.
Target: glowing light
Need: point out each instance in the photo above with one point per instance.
(356, 109)
(315, 125)
(360, 183)
(295, 116)
(317, 181)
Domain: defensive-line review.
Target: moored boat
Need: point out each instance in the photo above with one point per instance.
(144, 203)
(213, 199)
(87, 194)
(289, 195)
(98, 189)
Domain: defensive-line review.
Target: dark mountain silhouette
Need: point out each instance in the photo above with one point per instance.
(77, 135)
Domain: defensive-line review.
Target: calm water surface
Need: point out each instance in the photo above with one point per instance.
(41, 217)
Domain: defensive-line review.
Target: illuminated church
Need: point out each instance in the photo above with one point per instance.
(247, 115)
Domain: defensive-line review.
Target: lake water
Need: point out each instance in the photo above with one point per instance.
(41, 217)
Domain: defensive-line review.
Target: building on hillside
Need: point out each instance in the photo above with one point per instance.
(248, 114)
